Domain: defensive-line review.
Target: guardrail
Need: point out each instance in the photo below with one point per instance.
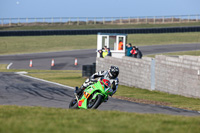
(96, 31)
(101, 20)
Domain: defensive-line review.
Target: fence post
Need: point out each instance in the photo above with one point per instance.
(86, 21)
(10, 22)
(1, 22)
(138, 20)
(94, 21)
(146, 20)
(163, 19)
(69, 20)
(18, 21)
(180, 19)
(188, 18)
(78, 21)
(52, 20)
(154, 19)
(172, 19)
(196, 18)
(153, 74)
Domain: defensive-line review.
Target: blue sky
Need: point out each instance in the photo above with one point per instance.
(96, 8)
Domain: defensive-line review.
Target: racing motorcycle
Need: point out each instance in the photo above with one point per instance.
(92, 96)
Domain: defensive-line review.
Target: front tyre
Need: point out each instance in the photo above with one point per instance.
(94, 103)
(73, 104)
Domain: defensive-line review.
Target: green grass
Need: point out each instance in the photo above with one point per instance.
(31, 44)
(91, 26)
(15, 119)
(3, 66)
(193, 53)
(74, 78)
(34, 44)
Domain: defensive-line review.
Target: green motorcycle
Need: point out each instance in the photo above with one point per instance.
(92, 96)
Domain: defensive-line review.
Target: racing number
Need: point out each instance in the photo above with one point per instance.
(86, 95)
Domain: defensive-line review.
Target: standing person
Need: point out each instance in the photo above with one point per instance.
(128, 49)
(105, 52)
(139, 53)
(101, 53)
(120, 45)
(136, 52)
(109, 53)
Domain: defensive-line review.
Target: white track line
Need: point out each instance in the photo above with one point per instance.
(46, 81)
(8, 67)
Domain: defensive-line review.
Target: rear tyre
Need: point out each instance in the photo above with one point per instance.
(73, 104)
(94, 103)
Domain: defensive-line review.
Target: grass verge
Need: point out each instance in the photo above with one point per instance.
(15, 119)
(74, 78)
(34, 44)
(3, 66)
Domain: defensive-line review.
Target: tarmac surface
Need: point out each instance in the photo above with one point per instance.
(19, 90)
(64, 60)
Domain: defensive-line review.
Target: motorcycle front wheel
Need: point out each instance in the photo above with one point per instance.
(73, 104)
(94, 103)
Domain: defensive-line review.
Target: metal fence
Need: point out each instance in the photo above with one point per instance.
(100, 20)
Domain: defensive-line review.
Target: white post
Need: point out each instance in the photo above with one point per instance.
(18, 21)
(95, 21)
(180, 19)
(172, 19)
(163, 19)
(112, 20)
(10, 22)
(2, 22)
(138, 19)
(52, 20)
(154, 20)
(69, 19)
(87, 21)
(43, 20)
(146, 20)
(78, 21)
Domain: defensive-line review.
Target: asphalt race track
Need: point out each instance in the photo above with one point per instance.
(16, 89)
(65, 60)
(19, 90)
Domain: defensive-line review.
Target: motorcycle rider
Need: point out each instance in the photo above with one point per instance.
(110, 75)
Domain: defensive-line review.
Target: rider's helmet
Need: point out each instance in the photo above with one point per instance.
(113, 72)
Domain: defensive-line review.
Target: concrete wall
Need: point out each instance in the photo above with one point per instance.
(176, 75)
